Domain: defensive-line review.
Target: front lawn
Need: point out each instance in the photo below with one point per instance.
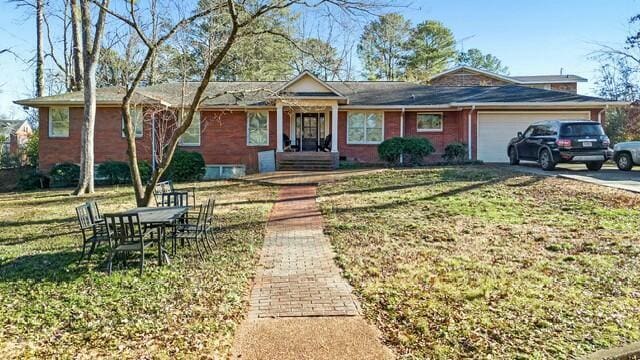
(51, 307)
(479, 262)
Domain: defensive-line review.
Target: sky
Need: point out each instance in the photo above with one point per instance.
(531, 37)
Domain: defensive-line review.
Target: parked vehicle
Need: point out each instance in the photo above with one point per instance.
(567, 141)
(626, 155)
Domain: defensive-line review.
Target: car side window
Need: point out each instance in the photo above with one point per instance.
(529, 131)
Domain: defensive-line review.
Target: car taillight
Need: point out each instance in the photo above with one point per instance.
(564, 143)
(606, 142)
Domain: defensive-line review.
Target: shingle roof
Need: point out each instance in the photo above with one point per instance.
(374, 93)
(9, 126)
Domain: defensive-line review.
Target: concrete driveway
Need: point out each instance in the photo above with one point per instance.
(608, 176)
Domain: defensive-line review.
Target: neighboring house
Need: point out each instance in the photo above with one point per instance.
(231, 130)
(15, 134)
(468, 76)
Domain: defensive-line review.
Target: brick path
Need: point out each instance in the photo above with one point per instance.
(297, 275)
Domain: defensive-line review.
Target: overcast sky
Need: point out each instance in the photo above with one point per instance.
(531, 37)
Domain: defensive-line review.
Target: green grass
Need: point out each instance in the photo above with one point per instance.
(478, 262)
(52, 307)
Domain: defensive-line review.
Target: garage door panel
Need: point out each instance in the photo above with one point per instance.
(495, 129)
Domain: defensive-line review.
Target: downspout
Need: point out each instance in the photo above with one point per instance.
(401, 131)
(600, 114)
(469, 132)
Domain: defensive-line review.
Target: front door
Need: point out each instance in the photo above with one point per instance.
(309, 132)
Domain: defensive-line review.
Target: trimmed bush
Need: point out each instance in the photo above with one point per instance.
(30, 179)
(455, 152)
(65, 175)
(118, 172)
(185, 166)
(416, 148)
(391, 149)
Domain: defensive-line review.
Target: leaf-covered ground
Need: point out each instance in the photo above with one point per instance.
(480, 262)
(51, 307)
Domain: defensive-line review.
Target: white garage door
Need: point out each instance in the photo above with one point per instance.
(495, 129)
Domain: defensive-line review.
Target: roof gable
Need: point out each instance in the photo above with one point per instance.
(463, 68)
(307, 83)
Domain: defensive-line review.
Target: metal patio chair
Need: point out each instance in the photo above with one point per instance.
(128, 236)
(93, 233)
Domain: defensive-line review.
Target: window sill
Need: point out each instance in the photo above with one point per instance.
(430, 131)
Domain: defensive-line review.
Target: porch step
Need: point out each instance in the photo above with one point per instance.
(312, 161)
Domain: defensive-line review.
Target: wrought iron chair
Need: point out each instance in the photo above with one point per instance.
(92, 233)
(209, 227)
(166, 187)
(193, 230)
(128, 236)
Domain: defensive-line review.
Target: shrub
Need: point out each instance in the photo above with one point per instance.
(65, 175)
(391, 149)
(118, 172)
(31, 149)
(185, 166)
(455, 152)
(416, 148)
(30, 179)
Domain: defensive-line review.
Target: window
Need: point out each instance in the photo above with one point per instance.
(258, 128)
(58, 122)
(365, 128)
(138, 121)
(429, 122)
(191, 137)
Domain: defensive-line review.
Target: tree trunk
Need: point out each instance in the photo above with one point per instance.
(39, 48)
(77, 82)
(91, 55)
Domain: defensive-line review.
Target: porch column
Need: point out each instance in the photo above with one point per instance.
(279, 117)
(334, 128)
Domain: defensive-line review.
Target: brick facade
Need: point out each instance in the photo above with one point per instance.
(467, 78)
(566, 87)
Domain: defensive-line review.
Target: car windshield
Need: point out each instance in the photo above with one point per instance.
(582, 130)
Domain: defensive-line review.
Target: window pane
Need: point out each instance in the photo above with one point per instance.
(192, 135)
(356, 120)
(374, 135)
(59, 121)
(137, 119)
(429, 122)
(374, 120)
(356, 135)
(258, 128)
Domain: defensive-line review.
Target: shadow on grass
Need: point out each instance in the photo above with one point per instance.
(52, 267)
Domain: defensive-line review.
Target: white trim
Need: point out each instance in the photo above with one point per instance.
(584, 104)
(279, 128)
(365, 129)
(68, 122)
(135, 129)
(430, 130)
(247, 128)
(537, 112)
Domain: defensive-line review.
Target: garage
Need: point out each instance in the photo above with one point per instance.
(496, 128)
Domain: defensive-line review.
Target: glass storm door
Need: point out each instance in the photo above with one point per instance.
(309, 132)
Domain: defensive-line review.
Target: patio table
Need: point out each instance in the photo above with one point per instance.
(160, 218)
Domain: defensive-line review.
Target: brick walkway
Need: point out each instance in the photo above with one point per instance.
(297, 275)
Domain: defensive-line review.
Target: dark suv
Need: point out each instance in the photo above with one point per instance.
(552, 142)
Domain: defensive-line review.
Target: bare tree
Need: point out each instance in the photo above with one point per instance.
(91, 45)
(39, 48)
(77, 51)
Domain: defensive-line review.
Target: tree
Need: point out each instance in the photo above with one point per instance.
(91, 45)
(238, 18)
(319, 57)
(383, 47)
(476, 59)
(77, 52)
(39, 48)
(431, 49)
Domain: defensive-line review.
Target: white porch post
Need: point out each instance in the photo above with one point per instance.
(334, 128)
(279, 147)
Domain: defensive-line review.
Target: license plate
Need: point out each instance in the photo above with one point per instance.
(587, 144)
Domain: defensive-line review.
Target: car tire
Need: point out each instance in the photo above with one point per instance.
(546, 160)
(594, 165)
(513, 156)
(624, 162)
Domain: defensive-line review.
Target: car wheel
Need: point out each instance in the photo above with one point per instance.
(624, 162)
(595, 165)
(513, 156)
(546, 160)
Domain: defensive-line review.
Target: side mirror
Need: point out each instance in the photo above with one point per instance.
(520, 135)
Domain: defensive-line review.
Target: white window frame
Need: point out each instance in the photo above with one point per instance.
(247, 127)
(138, 136)
(365, 142)
(441, 129)
(51, 135)
(182, 143)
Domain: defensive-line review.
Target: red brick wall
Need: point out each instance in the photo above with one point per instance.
(365, 152)
(467, 78)
(565, 87)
